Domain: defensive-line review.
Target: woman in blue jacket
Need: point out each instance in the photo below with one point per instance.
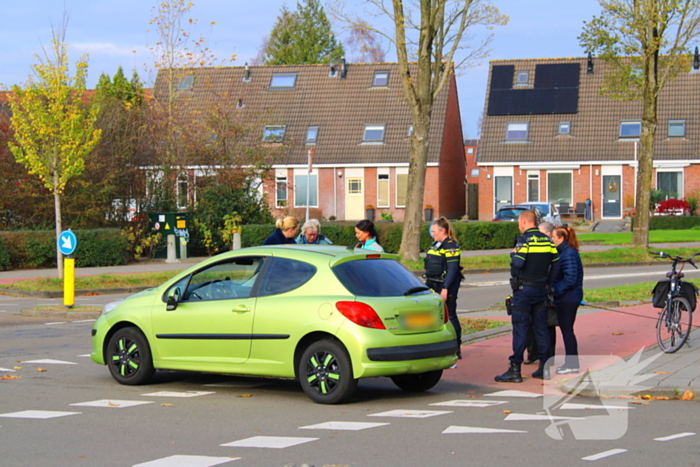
(285, 232)
(567, 289)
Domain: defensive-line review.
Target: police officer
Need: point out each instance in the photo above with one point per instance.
(534, 263)
(443, 271)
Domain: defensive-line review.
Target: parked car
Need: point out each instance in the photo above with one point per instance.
(548, 211)
(326, 315)
(509, 213)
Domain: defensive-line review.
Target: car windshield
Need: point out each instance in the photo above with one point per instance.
(377, 278)
(511, 213)
(543, 208)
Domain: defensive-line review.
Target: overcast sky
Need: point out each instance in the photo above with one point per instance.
(115, 33)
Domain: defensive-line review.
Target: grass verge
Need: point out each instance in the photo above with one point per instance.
(103, 281)
(472, 325)
(655, 236)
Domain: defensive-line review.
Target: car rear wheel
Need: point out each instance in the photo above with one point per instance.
(417, 383)
(129, 357)
(325, 373)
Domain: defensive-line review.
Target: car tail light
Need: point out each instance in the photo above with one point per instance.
(360, 314)
(445, 318)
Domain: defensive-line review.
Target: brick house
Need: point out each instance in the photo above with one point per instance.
(471, 154)
(549, 135)
(355, 119)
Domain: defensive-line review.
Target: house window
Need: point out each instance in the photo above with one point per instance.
(182, 187)
(522, 77)
(401, 189)
(564, 128)
(475, 173)
(410, 131)
(381, 78)
(273, 133)
(186, 83)
(676, 128)
(383, 190)
(559, 187)
(373, 134)
(470, 150)
(281, 192)
(533, 187)
(300, 182)
(630, 129)
(516, 131)
(355, 186)
(312, 135)
(671, 183)
(283, 80)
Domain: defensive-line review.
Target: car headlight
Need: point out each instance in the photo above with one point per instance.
(111, 306)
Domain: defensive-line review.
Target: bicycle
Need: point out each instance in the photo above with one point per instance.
(677, 298)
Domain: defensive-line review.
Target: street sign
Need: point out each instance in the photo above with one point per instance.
(67, 242)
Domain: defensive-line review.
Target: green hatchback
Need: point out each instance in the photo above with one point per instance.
(327, 315)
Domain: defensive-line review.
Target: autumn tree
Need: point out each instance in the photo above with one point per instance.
(439, 36)
(302, 37)
(365, 44)
(53, 129)
(645, 44)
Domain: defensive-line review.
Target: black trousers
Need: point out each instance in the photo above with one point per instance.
(566, 314)
(532, 350)
(451, 308)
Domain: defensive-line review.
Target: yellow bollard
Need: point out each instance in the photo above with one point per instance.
(69, 282)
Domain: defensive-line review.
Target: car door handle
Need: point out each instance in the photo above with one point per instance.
(241, 308)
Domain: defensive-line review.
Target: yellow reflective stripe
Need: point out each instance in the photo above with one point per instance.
(540, 249)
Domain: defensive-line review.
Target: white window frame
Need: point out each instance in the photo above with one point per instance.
(565, 128)
(313, 129)
(571, 173)
(522, 77)
(372, 128)
(279, 81)
(314, 180)
(400, 171)
(378, 76)
(629, 123)
(269, 130)
(281, 177)
(676, 123)
(383, 176)
(183, 180)
(533, 175)
(517, 127)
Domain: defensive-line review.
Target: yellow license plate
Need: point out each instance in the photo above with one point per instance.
(419, 320)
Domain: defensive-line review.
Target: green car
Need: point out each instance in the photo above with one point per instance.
(327, 315)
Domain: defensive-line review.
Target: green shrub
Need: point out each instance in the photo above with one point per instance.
(4, 255)
(100, 247)
(671, 222)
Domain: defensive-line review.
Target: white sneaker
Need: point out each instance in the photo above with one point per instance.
(562, 370)
(453, 367)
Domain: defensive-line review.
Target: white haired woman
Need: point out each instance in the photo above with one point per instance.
(311, 234)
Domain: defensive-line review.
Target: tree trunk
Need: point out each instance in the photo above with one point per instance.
(59, 255)
(410, 239)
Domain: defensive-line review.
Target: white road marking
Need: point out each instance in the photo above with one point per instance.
(410, 413)
(514, 393)
(48, 361)
(572, 406)
(5, 369)
(470, 403)
(111, 403)
(677, 436)
(178, 394)
(237, 385)
(603, 455)
(40, 414)
(473, 429)
(187, 461)
(517, 417)
(343, 426)
(84, 355)
(56, 323)
(272, 442)
(84, 321)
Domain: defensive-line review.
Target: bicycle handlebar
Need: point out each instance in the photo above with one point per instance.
(688, 260)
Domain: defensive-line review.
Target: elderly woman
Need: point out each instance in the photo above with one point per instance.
(311, 234)
(286, 229)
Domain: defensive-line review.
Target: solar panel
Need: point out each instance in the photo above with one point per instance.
(502, 77)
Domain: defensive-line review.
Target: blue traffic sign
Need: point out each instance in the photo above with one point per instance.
(67, 242)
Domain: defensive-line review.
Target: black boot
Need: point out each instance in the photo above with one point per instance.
(512, 375)
(542, 372)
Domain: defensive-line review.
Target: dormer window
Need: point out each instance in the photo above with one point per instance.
(523, 77)
(273, 133)
(186, 83)
(373, 134)
(381, 78)
(283, 80)
(630, 129)
(312, 135)
(564, 128)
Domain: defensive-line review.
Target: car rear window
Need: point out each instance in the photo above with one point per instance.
(376, 277)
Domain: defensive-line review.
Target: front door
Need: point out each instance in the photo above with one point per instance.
(504, 192)
(612, 187)
(354, 198)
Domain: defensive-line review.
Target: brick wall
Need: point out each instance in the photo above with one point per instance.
(451, 196)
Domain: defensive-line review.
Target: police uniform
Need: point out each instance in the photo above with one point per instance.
(534, 263)
(443, 271)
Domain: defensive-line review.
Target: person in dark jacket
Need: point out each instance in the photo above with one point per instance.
(443, 271)
(567, 289)
(286, 229)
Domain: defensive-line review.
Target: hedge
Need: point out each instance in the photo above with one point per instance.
(671, 222)
(37, 249)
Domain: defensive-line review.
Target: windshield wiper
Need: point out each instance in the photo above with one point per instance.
(413, 290)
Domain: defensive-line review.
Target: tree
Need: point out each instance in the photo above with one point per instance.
(645, 44)
(53, 129)
(438, 36)
(365, 43)
(302, 37)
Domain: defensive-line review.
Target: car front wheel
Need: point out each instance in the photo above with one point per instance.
(129, 357)
(325, 373)
(417, 383)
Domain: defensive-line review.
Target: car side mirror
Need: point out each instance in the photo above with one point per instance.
(173, 299)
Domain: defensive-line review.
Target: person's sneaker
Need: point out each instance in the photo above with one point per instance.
(563, 370)
(452, 367)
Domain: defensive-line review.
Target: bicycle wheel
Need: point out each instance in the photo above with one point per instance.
(674, 324)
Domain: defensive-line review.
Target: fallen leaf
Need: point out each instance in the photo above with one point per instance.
(640, 402)
(41, 370)
(646, 397)
(167, 404)
(474, 395)
(618, 333)
(661, 372)
(17, 367)
(507, 411)
(10, 377)
(112, 404)
(245, 395)
(688, 396)
(661, 398)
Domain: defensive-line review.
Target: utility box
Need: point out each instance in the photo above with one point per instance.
(171, 223)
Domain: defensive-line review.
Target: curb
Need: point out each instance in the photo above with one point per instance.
(67, 314)
(620, 391)
(78, 292)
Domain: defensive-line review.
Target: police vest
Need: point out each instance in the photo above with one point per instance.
(436, 258)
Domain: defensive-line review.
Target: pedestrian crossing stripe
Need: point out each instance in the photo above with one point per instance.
(272, 442)
(188, 461)
(473, 429)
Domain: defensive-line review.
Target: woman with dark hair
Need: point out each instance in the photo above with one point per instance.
(443, 271)
(567, 289)
(367, 236)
